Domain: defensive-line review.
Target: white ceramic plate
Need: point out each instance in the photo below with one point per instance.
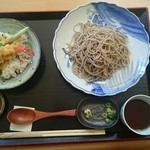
(12, 26)
(116, 17)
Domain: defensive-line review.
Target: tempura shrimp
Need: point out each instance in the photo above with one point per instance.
(9, 51)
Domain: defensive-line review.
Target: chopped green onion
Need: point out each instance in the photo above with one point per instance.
(108, 105)
(114, 111)
(109, 114)
(108, 110)
(107, 120)
(104, 115)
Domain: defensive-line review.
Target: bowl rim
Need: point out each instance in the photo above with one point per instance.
(3, 103)
(96, 100)
(123, 109)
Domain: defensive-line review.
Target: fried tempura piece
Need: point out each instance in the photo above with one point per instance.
(7, 52)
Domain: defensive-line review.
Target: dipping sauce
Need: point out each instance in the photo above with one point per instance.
(137, 114)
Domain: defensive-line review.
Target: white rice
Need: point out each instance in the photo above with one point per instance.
(16, 66)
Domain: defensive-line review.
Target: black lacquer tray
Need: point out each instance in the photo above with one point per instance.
(47, 90)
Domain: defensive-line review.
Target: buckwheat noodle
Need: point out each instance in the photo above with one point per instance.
(97, 51)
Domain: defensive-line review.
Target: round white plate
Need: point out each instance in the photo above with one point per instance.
(12, 26)
(107, 15)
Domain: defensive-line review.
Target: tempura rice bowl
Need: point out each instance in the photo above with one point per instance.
(28, 68)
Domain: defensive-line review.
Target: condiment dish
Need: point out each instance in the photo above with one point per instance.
(95, 112)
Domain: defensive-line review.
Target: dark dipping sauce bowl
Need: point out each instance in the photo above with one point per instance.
(135, 114)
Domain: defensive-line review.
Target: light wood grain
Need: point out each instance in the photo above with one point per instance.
(62, 5)
(54, 133)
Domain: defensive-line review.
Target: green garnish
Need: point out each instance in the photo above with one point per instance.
(12, 38)
(104, 115)
(108, 110)
(108, 105)
(107, 120)
(110, 113)
(88, 113)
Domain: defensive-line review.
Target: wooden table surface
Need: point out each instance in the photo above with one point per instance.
(63, 5)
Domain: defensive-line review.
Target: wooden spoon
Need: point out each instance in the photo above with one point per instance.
(22, 116)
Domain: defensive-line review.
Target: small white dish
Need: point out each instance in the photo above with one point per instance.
(116, 17)
(12, 26)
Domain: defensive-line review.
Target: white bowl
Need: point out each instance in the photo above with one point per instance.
(116, 17)
(144, 98)
(12, 26)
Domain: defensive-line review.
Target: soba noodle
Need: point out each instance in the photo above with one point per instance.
(97, 52)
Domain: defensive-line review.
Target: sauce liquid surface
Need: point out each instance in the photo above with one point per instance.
(137, 114)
